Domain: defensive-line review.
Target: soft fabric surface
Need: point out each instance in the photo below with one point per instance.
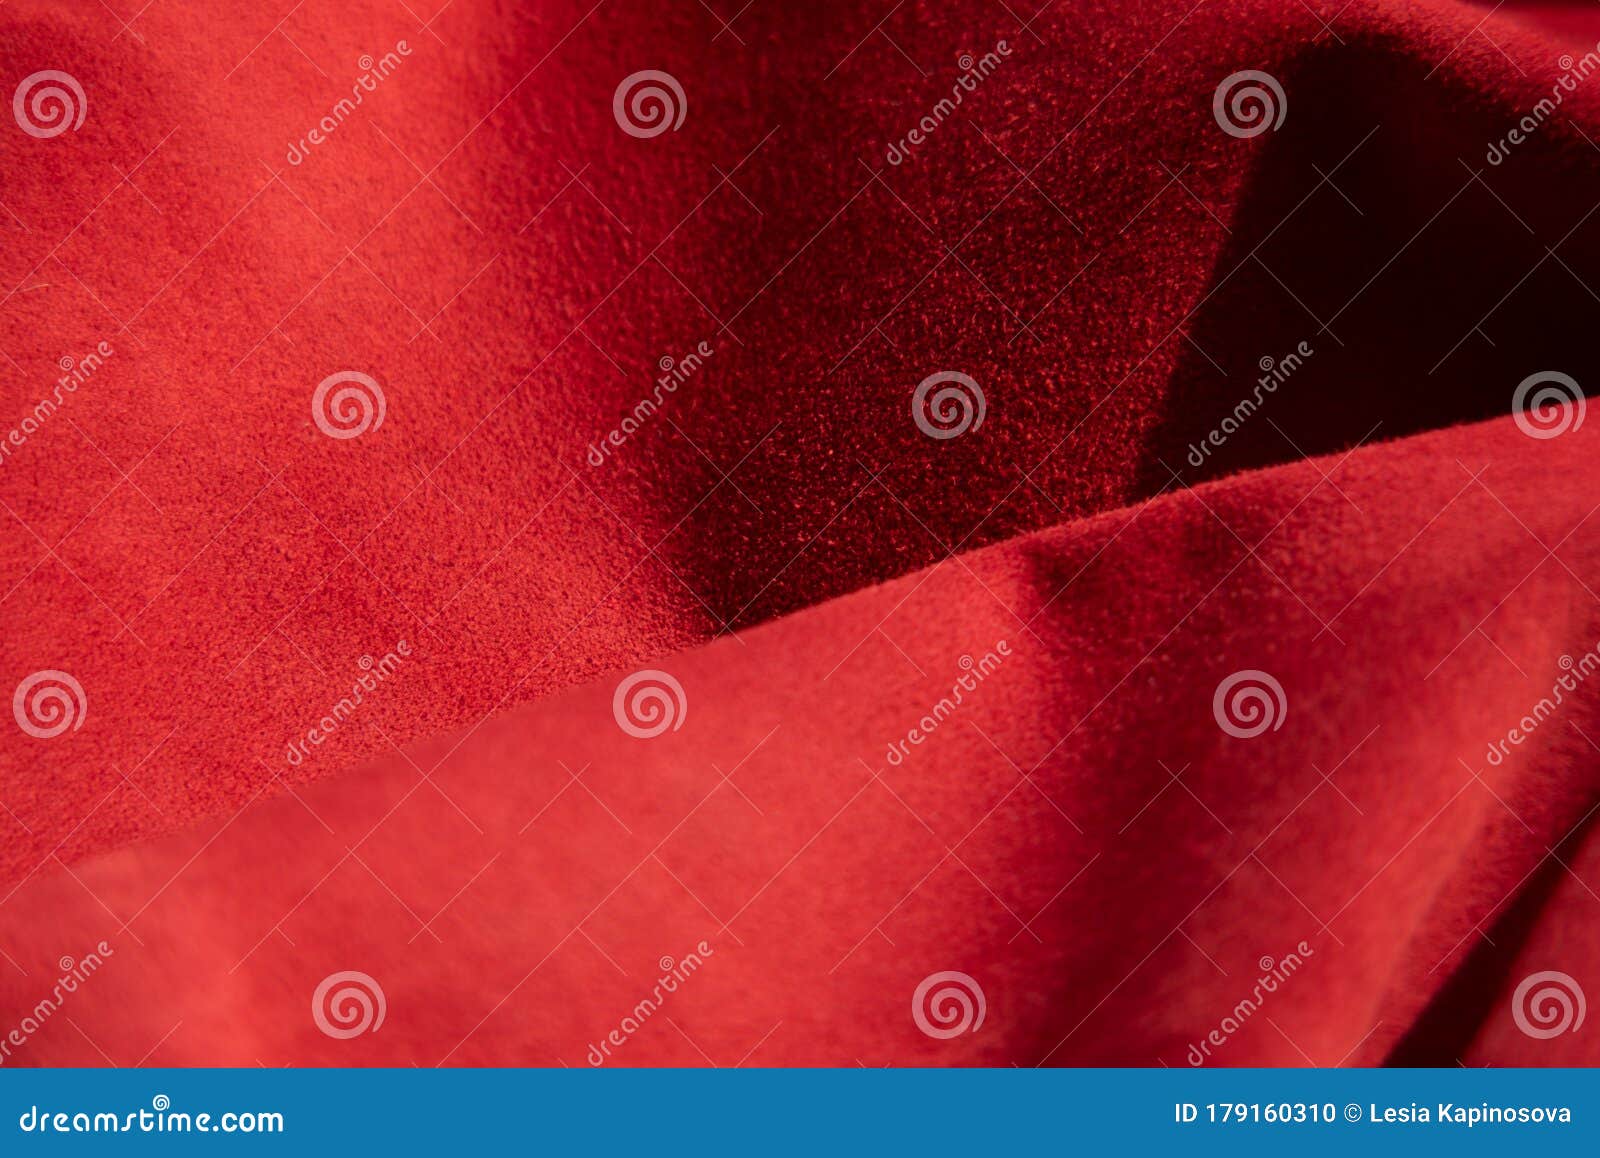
(1082, 837)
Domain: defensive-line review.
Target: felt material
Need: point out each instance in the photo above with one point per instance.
(512, 269)
(833, 815)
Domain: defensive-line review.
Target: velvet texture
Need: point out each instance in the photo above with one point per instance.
(1097, 833)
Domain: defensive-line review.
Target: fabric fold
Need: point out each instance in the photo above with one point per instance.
(1102, 794)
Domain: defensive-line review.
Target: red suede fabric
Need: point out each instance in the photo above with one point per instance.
(1083, 839)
